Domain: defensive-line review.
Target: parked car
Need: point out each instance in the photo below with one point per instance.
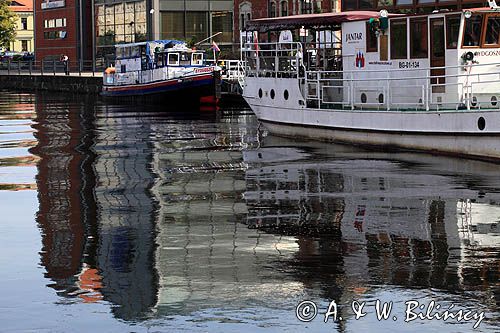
(15, 58)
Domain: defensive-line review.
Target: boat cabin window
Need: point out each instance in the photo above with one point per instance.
(135, 51)
(472, 31)
(122, 52)
(371, 39)
(160, 59)
(398, 39)
(452, 31)
(173, 59)
(492, 31)
(418, 38)
(185, 59)
(197, 59)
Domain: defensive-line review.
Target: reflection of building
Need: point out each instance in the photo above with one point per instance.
(126, 214)
(63, 27)
(67, 212)
(24, 33)
(204, 255)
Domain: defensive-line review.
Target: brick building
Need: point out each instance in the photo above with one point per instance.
(245, 10)
(63, 27)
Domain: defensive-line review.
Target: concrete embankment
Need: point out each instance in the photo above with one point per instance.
(71, 83)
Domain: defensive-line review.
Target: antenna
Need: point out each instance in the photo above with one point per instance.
(492, 4)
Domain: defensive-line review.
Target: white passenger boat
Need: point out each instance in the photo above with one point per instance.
(163, 68)
(422, 81)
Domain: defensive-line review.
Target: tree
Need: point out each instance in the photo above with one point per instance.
(7, 24)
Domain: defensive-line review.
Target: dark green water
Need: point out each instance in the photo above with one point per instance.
(120, 218)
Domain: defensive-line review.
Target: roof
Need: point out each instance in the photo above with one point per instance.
(21, 5)
(482, 10)
(316, 21)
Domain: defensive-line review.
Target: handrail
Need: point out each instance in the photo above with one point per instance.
(51, 67)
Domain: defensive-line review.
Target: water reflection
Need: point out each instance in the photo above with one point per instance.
(166, 217)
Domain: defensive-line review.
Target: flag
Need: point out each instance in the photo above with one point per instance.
(215, 47)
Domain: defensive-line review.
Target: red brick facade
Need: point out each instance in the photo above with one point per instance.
(265, 8)
(51, 24)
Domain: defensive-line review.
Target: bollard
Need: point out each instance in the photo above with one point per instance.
(19, 67)
(8, 67)
(54, 67)
(41, 67)
(31, 66)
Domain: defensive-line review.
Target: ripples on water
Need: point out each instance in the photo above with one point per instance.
(128, 218)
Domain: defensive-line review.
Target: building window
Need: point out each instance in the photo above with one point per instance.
(272, 9)
(119, 23)
(284, 8)
(24, 23)
(398, 39)
(418, 38)
(196, 25)
(24, 45)
(172, 25)
(371, 39)
(245, 13)
(366, 4)
(223, 22)
(306, 6)
(472, 32)
(452, 30)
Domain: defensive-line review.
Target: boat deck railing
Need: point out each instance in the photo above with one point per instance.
(471, 86)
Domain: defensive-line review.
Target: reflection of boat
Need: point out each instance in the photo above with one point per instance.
(383, 83)
(365, 195)
(165, 68)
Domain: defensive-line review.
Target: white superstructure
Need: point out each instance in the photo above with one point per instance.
(415, 81)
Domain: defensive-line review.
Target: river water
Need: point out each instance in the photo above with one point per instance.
(131, 218)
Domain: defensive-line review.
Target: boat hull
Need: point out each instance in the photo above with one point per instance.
(481, 147)
(279, 104)
(187, 90)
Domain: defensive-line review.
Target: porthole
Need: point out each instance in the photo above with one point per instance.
(260, 93)
(285, 95)
(381, 98)
(272, 94)
(494, 101)
(474, 101)
(363, 98)
(481, 123)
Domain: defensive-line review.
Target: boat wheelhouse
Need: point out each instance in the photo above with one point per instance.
(162, 68)
(418, 81)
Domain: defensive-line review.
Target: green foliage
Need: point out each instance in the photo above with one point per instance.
(8, 24)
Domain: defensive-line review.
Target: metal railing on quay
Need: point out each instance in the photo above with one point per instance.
(52, 67)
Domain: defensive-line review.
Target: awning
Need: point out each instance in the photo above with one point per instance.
(324, 21)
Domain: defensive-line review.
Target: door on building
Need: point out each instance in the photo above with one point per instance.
(437, 55)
